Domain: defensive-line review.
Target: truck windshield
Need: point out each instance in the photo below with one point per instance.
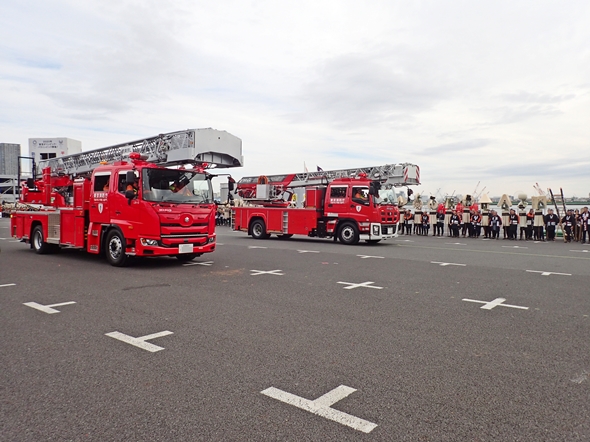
(176, 186)
(386, 196)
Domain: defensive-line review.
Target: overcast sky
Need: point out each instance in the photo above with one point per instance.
(491, 91)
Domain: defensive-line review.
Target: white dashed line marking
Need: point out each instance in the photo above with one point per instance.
(140, 342)
(47, 308)
(444, 264)
(264, 272)
(206, 263)
(495, 303)
(352, 285)
(321, 406)
(548, 273)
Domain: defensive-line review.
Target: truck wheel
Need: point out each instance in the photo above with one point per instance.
(38, 243)
(348, 234)
(115, 249)
(259, 230)
(186, 257)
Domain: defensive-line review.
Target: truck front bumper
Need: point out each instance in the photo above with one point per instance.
(379, 231)
(152, 247)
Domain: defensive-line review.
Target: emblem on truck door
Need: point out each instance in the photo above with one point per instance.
(100, 208)
(358, 208)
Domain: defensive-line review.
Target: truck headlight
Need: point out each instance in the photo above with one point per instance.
(376, 230)
(149, 242)
(212, 239)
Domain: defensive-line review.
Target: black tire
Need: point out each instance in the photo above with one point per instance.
(259, 229)
(38, 243)
(285, 236)
(348, 234)
(115, 249)
(186, 257)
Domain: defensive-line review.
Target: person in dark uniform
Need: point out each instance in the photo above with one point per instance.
(476, 224)
(585, 217)
(530, 220)
(425, 223)
(409, 219)
(495, 224)
(568, 222)
(454, 224)
(440, 222)
(551, 221)
(513, 221)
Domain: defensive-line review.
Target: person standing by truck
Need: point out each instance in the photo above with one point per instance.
(551, 221)
(495, 224)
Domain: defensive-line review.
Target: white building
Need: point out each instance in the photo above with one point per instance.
(47, 148)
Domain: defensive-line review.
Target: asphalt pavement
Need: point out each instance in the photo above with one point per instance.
(415, 339)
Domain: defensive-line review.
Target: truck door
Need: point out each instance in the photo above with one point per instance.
(361, 201)
(337, 201)
(123, 210)
(99, 201)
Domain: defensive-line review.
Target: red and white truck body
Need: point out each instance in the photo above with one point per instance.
(347, 209)
(125, 208)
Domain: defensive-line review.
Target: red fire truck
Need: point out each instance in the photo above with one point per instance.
(348, 205)
(120, 201)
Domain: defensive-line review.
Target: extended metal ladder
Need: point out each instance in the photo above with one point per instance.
(196, 146)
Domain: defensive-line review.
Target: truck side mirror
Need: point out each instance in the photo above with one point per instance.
(130, 194)
(230, 184)
(130, 177)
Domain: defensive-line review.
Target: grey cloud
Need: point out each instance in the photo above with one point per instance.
(527, 97)
(540, 170)
(362, 89)
(456, 147)
(141, 60)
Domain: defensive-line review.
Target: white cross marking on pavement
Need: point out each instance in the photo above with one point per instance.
(308, 251)
(140, 342)
(404, 240)
(455, 244)
(321, 406)
(539, 242)
(443, 264)
(6, 285)
(579, 251)
(3, 238)
(496, 302)
(514, 247)
(47, 308)
(257, 247)
(548, 273)
(263, 272)
(220, 244)
(206, 263)
(486, 239)
(368, 256)
(352, 285)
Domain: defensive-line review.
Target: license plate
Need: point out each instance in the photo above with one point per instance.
(185, 248)
(390, 230)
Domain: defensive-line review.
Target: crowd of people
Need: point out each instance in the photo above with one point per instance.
(531, 225)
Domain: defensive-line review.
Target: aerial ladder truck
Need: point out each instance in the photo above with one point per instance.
(347, 205)
(145, 198)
